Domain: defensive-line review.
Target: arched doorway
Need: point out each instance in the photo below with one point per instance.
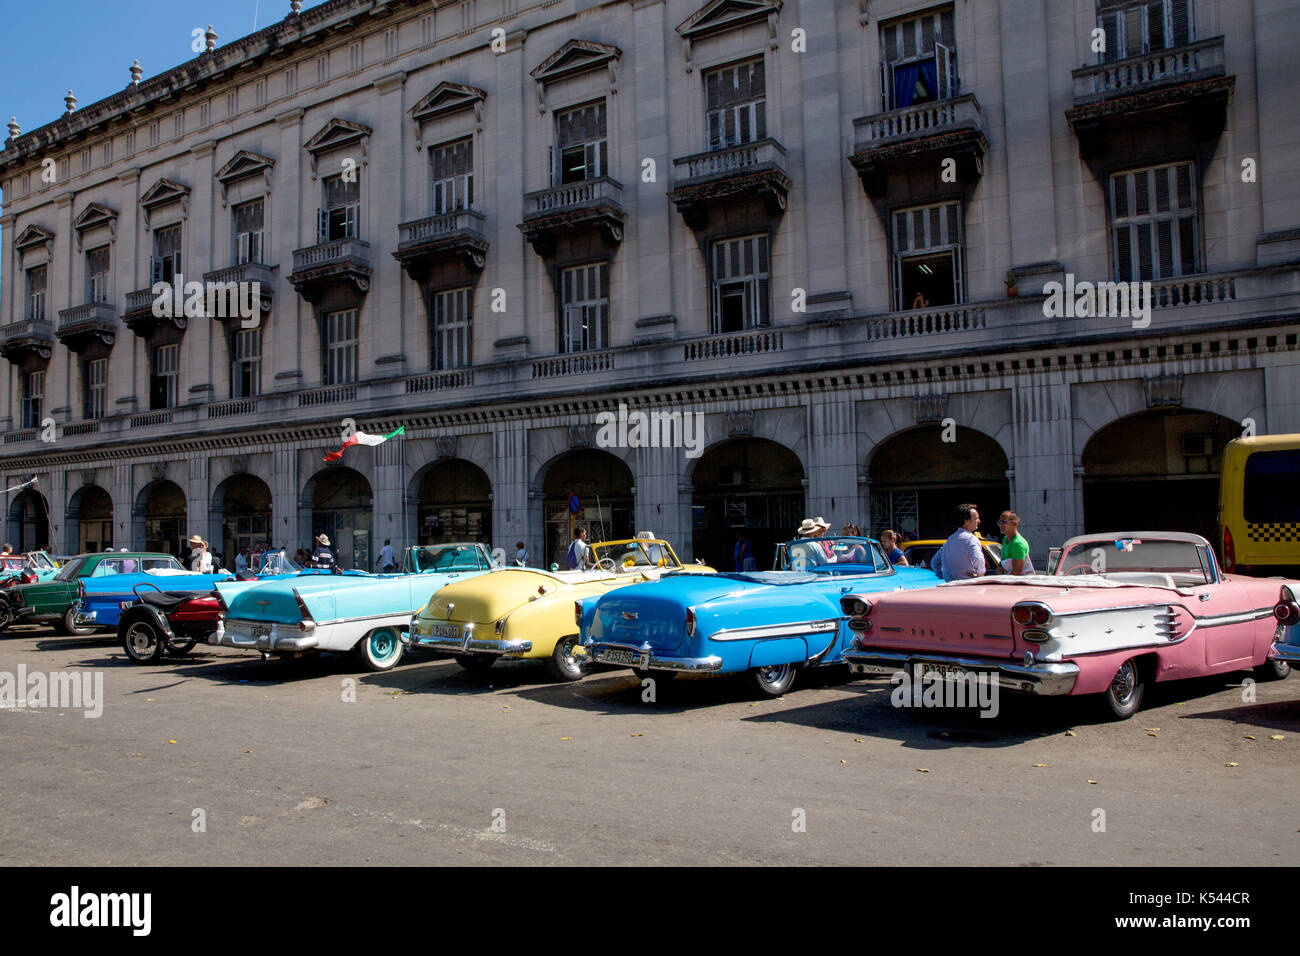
(341, 507)
(917, 479)
(1156, 471)
(90, 519)
(603, 484)
(454, 503)
(242, 504)
(163, 505)
(753, 485)
(29, 516)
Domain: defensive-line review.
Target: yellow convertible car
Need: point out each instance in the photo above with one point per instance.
(528, 613)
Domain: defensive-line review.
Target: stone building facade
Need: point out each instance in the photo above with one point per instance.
(492, 221)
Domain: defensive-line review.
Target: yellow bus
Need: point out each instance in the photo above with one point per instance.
(1259, 505)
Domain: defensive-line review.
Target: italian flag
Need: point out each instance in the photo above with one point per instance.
(361, 438)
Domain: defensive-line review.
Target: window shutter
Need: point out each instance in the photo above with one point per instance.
(1144, 257)
(1180, 22)
(155, 269)
(943, 70)
(1155, 17)
(1110, 25)
(1132, 31)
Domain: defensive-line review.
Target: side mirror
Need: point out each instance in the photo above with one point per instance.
(554, 567)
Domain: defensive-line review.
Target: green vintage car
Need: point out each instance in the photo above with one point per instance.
(51, 601)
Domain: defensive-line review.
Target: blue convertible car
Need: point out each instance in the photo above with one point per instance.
(766, 624)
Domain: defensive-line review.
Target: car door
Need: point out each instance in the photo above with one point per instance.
(1225, 623)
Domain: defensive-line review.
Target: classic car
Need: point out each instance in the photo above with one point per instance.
(528, 613)
(1286, 639)
(765, 624)
(26, 568)
(346, 610)
(1124, 610)
(920, 553)
(51, 601)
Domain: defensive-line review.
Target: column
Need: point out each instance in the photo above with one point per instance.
(645, 126)
(1045, 491)
(832, 468)
(512, 517)
(389, 497)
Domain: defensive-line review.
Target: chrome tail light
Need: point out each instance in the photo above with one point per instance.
(690, 622)
(1031, 613)
(858, 609)
(1229, 553)
(577, 613)
(307, 623)
(1287, 610)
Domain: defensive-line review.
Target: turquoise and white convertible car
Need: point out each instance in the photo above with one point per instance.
(344, 611)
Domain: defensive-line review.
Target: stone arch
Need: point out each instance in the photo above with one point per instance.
(605, 487)
(159, 516)
(29, 521)
(453, 502)
(89, 520)
(241, 517)
(750, 485)
(340, 501)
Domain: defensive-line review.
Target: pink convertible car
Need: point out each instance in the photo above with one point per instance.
(1120, 611)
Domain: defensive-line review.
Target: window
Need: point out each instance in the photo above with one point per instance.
(1153, 222)
(33, 398)
(927, 256)
(36, 292)
(736, 105)
(246, 363)
(163, 378)
(341, 217)
(918, 60)
(248, 232)
(166, 262)
(94, 376)
(1135, 27)
(741, 282)
(584, 308)
(97, 289)
(341, 347)
(580, 139)
(449, 313)
(453, 176)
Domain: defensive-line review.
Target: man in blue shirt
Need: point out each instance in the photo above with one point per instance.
(961, 555)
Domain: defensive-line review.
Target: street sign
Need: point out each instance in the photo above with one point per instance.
(574, 504)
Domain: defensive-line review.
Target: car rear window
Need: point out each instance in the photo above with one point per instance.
(1272, 487)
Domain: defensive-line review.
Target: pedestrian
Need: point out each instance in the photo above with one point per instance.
(323, 555)
(961, 556)
(200, 556)
(387, 558)
(241, 560)
(302, 558)
(578, 557)
(521, 555)
(9, 549)
(889, 541)
(1015, 549)
(744, 553)
(816, 552)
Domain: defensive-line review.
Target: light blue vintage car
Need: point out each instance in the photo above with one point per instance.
(766, 624)
(345, 611)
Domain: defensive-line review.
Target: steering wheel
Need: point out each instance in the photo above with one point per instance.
(1087, 569)
(607, 564)
(335, 569)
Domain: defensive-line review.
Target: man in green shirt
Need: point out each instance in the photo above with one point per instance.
(1015, 549)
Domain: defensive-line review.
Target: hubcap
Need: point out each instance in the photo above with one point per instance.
(382, 645)
(1124, 682)
(141, 639)
(773, 674)
(567, 658)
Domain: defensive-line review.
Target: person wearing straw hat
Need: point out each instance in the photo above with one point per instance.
(200, 556)
(816, 528)
(323, 555)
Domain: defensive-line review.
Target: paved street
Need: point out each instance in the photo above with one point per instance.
(417, 768)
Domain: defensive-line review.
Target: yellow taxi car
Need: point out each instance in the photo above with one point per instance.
(1259, 507)
(528, 613)
(920, 552)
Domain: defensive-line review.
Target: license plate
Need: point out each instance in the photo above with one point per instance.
(942, 672)
(615, 656)
(445, 630)
(260, 631)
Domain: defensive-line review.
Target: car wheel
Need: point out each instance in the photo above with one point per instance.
(6, 614)
(773, 680)
(564, 664)
(1272, 670)
(380, 650)
(1124, 695)
(71, 629)
(143, 643)
(475, 663)
(181, 647)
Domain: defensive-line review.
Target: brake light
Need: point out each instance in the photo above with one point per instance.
(81, 589)
(577, 613)
(1229, 553)
(1287, 611)
(306, 624)
(690, 622)
(1031, 613)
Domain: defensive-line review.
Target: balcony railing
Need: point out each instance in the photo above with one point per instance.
(27, 336)
(572, 196)
(90, 317)
(444, 226)
(438, 381)
(903, 325)
(747, 343)
(731, 161)
(161, 417)
(234, 407)
(1180, 64)
(327, 396)
(14, 438)
(81, 428)
(141, 300)
(915, 122)
(331, 252)
(577, 363)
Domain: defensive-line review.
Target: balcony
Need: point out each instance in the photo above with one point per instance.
(451, 237)
(139, 315)
(18, 340)
(83, 324)
(1183, 87)
(329, 263)
(573, 210)
(889, 144)
(722, 177)
(257, 275)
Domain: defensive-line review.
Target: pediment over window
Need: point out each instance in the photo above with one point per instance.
(576, 56)
(443, 100)
(162, 192)
(93, 216)
(244, 165)
(337, 134)
(722, 15)
(33, 236)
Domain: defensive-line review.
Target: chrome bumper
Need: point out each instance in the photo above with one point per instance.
(463, 641)
(256, 636)
(80, 615)
(644, 658)
(1285, 652)
(1046, 679)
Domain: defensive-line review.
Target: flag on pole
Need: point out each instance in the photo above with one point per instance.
(26, 484)
(361, 438)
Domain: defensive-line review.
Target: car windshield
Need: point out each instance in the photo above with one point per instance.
(446, 557)
(631, 555)
(72, 570)
(133, 565)
(275, 562)
(1122, 558)
(41, 561)
(12, 563)
(809, 553)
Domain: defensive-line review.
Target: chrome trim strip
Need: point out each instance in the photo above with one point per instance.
(769, 631)
(817, 658)
(1237, 617)
(1286, 652)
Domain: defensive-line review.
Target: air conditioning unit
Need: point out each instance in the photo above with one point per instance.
(731, 477)
(1197, 446)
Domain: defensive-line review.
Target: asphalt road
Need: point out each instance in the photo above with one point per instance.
(431, 765)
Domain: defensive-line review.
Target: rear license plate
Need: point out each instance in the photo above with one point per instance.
(941, 672)
(616, 656)
(259, 631)
(451, 631)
